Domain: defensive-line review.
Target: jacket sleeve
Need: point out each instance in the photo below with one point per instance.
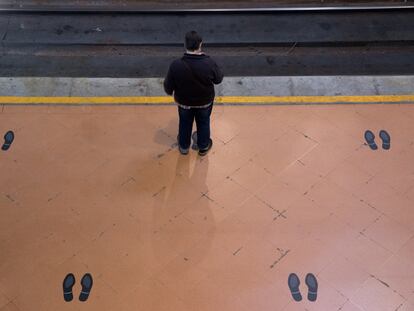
(217, 74)
(169, 85)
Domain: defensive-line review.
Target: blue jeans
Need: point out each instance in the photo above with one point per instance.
(202, 118)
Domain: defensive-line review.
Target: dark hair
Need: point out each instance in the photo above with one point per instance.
(192, 40)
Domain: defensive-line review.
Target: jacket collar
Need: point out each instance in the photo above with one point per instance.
(186, 55)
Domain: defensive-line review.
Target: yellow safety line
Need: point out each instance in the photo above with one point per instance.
(154, 100)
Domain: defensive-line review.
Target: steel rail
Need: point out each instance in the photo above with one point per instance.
(117, 10)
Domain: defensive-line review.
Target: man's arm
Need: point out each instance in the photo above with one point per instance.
(218, 74)
(169, 85)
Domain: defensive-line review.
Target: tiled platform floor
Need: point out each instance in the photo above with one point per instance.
(285, 189)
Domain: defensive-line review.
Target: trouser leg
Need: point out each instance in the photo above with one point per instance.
(186, 119)
(202, 118)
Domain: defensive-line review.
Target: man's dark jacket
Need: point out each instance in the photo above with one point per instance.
(192, 80)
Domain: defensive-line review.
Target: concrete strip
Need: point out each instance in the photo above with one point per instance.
(232, 86)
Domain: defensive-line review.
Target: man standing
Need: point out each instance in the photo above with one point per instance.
(191, 80)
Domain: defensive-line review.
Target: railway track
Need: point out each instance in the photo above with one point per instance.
(130, 5)
(380, 39)
(244, 9)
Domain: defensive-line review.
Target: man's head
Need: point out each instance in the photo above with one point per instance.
(193, 41)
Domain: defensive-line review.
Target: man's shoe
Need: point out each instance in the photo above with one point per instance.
(203, 152)
(183, 151)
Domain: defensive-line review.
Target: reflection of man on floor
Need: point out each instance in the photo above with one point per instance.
(191, 79)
